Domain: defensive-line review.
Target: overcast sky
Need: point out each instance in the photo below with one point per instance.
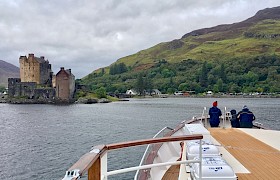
(85, 35)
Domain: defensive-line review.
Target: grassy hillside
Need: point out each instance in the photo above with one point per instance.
(265, 36)
(230, 58)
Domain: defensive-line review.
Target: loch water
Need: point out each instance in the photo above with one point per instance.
(43, 141)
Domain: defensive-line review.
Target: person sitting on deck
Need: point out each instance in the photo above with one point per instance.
(215, 114)
(246, 118)
(234, 121)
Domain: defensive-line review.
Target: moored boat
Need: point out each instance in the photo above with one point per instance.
(194, 150)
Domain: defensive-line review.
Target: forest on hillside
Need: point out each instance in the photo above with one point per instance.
(259, 74)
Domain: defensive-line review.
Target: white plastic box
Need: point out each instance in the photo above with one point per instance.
(208, 149)
(213, 168)
(197, 129)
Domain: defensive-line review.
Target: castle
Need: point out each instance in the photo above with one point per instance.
(38, 84)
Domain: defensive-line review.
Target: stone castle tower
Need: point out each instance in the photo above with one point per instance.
(34, 69)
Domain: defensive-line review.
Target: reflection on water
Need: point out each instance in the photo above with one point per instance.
(42, 141)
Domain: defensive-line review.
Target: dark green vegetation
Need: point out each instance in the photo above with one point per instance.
(240, 57)
(2, 89)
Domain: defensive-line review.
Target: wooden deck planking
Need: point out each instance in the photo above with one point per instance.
(259, 158)
(262, 160)
(172, 173)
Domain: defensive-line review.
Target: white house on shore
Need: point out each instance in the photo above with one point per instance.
(155, 92)
(209, 93)
(131, 92)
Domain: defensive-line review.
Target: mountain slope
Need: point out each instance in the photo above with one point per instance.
(238, 57)
(257, 35)
(7, 70)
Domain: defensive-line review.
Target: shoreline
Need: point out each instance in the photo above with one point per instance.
(90, 101)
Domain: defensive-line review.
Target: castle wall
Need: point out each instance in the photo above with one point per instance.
(44, 93)
(72, 86)
(13, 87)
(45, 73)
(28, 90)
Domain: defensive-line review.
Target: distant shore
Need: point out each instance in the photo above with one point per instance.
(104, 100)
(215, 96)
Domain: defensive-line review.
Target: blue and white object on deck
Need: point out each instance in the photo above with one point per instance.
(69, 175)
(213, 168)
(208, 149)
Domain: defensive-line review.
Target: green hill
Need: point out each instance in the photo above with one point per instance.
(235, 57)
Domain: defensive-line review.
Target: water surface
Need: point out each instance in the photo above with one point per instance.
(43, 141)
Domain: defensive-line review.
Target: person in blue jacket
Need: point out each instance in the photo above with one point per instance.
(246, 118)
(215, 114)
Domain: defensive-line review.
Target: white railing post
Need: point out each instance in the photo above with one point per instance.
(224, 119)
(200, 159)
(205, 115)
(104, 167)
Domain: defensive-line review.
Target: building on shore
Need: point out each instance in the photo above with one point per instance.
(65, 84)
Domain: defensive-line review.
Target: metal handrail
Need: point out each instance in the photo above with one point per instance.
(147, 149)
(125, 170)
(137, 168)
(95, 161)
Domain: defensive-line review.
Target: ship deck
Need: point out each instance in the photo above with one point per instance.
(252, 153)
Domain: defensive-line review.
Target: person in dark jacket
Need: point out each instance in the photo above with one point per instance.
(234, 120)
(246, 118)
(215, 114)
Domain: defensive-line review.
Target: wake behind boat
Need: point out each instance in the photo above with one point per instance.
(194, 150)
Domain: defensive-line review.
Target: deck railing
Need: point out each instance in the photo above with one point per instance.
(149, 149)
(94, 163)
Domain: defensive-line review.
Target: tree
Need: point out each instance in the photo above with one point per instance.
(118, 68)
(234, 88)
(139, 86)
(122, 68)
(102, 72)
(2, 89)
(148, 85)
(220, 85)
(251, 78)
(184, 87)
(101, 93)
(222, 73)
(166, 73)
(170, 90)
(203, 75)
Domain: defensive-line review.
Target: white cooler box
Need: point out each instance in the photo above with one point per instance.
(213, 168)
(208, 149)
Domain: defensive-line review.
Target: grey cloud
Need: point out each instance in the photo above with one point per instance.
(85, 35)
